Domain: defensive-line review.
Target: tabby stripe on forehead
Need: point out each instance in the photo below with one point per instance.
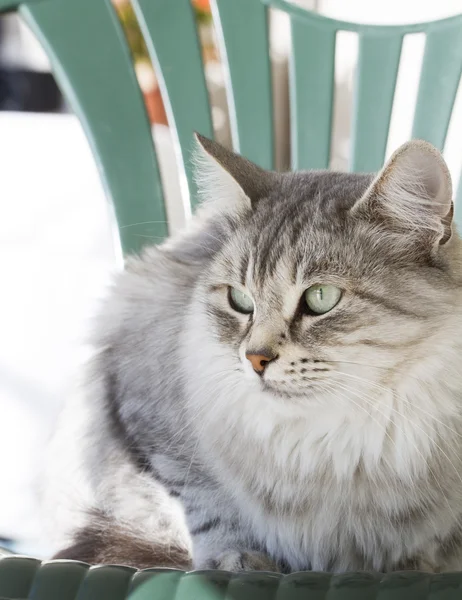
(281, 231)
(244, 267)
(391, 306)
(271, 253)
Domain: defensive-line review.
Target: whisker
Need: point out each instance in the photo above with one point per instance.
(375, 366)
(366, 399)
(143, 223)
(428, 436)
(159, 237)
(200, 412)
(334, 386)
(416, 406)
(385, 460)
(203, 232)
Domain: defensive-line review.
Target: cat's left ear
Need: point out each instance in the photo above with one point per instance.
(228, 182)
(412, 193)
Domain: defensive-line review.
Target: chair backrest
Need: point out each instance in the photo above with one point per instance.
(92, 64)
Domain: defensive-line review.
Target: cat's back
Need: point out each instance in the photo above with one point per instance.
(137, 342)
(150, 294)
(127, 385)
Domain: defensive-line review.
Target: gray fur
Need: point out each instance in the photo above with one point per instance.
(346, 454)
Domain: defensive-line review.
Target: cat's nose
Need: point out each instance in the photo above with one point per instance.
(259, 361)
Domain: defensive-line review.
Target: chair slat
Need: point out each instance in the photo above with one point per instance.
(296, 11)
(311, 94)
(378, 63)
(439, 80)
(7, 5)
(91, 61)
(170, 32)
(242, 31)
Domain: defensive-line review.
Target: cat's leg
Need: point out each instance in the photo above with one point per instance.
(221, 542)
(240, 560)
(99, 506)
(422, 562)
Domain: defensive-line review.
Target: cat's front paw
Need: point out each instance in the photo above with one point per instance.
(234, 560)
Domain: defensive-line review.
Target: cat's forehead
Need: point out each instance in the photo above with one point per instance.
(303, 203)
(303, 225)
(332, 191)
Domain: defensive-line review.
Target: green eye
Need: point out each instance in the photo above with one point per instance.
(322, 298)
(240, 301)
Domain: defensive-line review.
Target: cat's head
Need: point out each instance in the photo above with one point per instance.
(326, 280)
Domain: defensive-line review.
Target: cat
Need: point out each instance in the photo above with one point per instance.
(279, 387)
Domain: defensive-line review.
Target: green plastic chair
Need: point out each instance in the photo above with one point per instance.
(91, 62)
(28, 579)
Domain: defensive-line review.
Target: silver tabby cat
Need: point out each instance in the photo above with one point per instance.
(280, 386)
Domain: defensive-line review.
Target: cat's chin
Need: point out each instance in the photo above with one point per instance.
(287, 392)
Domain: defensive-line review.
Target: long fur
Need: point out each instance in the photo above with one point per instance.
(107, 541)
(346, 454)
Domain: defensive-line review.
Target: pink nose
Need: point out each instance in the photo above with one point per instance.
(258, 361)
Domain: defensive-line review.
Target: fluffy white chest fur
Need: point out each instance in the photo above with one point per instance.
(339, 468)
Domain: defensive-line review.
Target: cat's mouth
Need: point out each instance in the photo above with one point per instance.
(288, 389)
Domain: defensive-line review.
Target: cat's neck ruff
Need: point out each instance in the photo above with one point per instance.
(393, 433)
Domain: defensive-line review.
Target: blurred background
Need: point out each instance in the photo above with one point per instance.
(58, 245)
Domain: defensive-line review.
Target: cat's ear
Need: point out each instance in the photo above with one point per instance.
(228, 182)
(412, 193)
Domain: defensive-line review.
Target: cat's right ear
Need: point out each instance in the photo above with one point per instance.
(227, 182)
(412, 194)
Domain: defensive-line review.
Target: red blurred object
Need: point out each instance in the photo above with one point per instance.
(155, 107)
(203, 5)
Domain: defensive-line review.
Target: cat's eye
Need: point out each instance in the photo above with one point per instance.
(240, 301)
(321, 298)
